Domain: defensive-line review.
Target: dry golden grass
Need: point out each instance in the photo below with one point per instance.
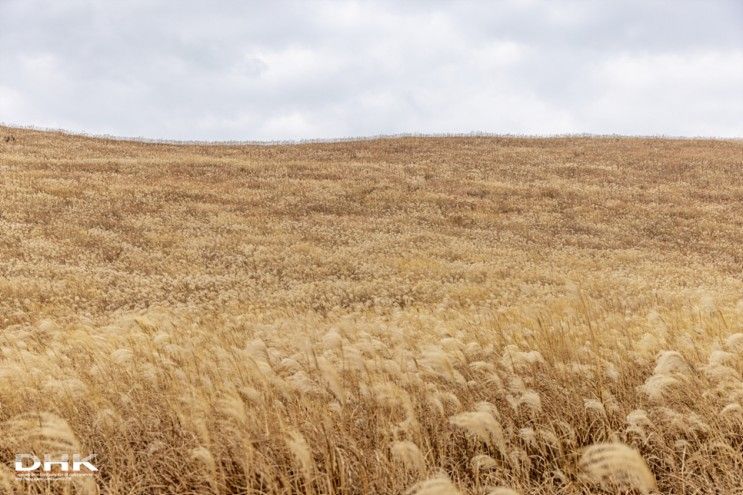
(414, 315)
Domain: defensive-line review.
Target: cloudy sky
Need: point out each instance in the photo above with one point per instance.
(240, 70)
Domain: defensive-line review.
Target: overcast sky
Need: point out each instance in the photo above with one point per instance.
(239, 70)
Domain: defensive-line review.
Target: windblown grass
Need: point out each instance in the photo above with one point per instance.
(423, 316)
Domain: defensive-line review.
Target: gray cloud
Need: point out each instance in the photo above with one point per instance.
(231, 69)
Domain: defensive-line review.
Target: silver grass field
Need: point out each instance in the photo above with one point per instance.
(425, 316)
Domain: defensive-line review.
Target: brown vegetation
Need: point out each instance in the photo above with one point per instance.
(422, 315)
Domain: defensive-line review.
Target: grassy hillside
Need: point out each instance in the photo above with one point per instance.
(360, 317)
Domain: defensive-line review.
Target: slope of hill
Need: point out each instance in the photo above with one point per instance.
(358, 317)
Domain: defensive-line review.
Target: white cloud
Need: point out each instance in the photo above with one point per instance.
(296, 63)
(236, 70)
(689, 71)
(10, 102)
(695, 93)
(286, 126)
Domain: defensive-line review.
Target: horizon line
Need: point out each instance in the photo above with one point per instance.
(350, 139)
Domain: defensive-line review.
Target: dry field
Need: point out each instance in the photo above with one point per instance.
(416, 315)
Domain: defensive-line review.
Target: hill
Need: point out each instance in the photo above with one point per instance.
(359, 316)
